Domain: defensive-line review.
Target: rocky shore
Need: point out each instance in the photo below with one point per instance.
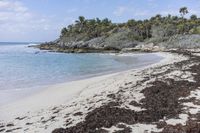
(122, 44)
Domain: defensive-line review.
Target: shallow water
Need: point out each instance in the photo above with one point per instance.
(24, 70)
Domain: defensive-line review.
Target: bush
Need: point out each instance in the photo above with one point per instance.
(195, 30)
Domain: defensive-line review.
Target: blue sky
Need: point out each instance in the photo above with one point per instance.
(42, 20)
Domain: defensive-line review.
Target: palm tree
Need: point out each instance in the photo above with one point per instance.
(81, 22)
(183, 11)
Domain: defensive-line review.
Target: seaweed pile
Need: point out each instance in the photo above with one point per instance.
(162, 101)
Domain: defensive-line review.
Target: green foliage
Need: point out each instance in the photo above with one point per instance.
(183, 11)
(91, 28)
(64, 31)
(193, 17)
(195, 30)
(157, 26)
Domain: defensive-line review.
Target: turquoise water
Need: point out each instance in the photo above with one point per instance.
(24, 70)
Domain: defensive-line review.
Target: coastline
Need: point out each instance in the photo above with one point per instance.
(119, 67)
(31, 76)
(85, 81)
(128, 60)
(76, 93)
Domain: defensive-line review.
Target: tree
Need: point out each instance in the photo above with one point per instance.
(64, 31)
(70, 27)
(98, 21)
(80, 22)
(158, 17)
(131, 23)
(193, 17)
(155, 27)
(175, 18)
(106, 22)
(183, 11)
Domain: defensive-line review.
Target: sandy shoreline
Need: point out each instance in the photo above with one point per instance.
(61, 93)
(50, 97)
(15, 90)
(76, 96)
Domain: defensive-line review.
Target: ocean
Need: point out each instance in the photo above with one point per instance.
(25, 70)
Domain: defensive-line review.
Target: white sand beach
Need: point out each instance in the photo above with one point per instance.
(71, 97)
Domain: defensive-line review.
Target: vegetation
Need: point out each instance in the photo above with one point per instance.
(183, 11)
(155, 27)
(89, 28)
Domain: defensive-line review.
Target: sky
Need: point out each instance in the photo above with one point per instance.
(42, 20)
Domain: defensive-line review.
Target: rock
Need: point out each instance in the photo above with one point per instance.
(112, 43)
(182, 42)
(150, 47)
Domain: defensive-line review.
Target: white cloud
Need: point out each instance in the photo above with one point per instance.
(13, 11)
(18, 23)
(8, 5)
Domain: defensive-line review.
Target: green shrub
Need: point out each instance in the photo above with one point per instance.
(195, 30)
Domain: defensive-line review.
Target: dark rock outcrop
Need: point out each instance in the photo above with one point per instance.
(112, 43)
